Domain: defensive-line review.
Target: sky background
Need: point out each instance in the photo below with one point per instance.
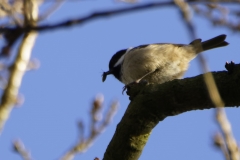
(60, 92)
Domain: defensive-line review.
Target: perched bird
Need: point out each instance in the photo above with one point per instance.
(158, 63)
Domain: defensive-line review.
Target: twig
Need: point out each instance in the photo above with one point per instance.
(21, 150)
(51, 10)
(222, 19)
(220, 143)
(11, 10)
(225, 126)
(84, 143)
(210, 83)
(186, 16)
(185, 9)
(9, 97)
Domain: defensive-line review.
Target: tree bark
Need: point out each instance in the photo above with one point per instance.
(152, 103)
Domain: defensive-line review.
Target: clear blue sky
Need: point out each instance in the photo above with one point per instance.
(60, 92)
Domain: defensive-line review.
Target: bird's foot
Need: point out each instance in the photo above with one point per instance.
(128, 86)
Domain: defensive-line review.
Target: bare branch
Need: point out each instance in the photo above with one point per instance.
(95, 129)
(220, 143)
(95, 15)
(113, 12)
(21, 150)
(33, 64)
(9, 97)
(223, 17)
(214, 95)
(185, 9)
(210, 83)
(225, 126)
(11, 10)
(232, 151)
(51, 10)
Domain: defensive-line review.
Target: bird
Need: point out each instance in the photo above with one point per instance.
(159, 62)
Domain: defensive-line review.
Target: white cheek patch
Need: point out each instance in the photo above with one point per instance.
(119, 61)
(122, 58)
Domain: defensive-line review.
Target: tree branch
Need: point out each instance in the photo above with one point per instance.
(230, 142)
(10, 94)
(112, 12)
(153, 103)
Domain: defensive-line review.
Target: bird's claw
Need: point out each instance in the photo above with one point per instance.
(124, 89)
(144, 82)
(128, 86)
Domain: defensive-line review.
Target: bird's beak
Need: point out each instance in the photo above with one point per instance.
(104, 75)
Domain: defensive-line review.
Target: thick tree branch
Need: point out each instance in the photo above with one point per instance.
(153, 103)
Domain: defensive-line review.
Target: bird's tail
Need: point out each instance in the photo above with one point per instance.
(215, 42)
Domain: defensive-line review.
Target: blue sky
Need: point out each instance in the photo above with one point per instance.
(60, 92)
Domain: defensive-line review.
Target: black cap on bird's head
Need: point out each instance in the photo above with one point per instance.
(115, 65)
